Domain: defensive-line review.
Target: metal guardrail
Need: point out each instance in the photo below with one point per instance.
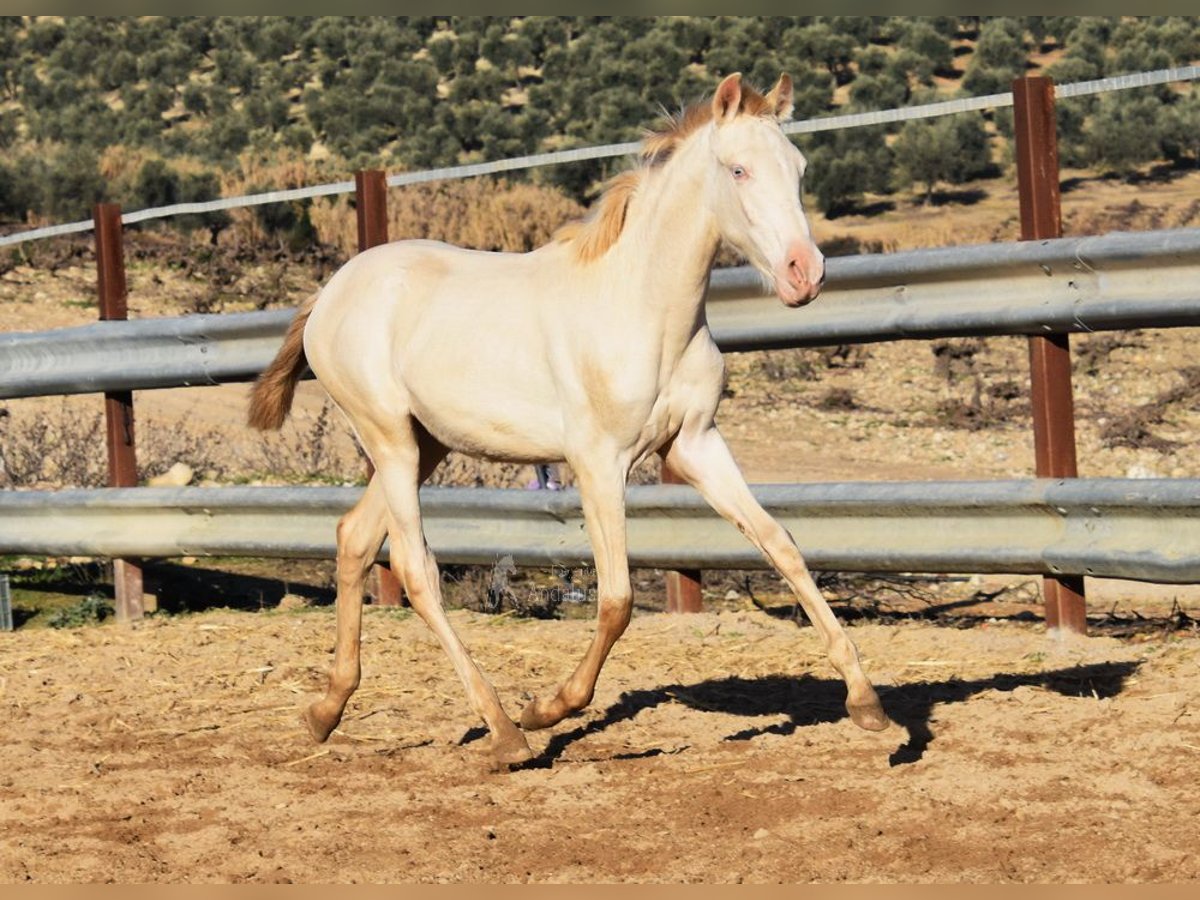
(1148, 279)
(1111, 282)
(1121, 528)
(140, 354)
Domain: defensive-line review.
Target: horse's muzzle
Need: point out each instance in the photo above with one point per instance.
(802, 275)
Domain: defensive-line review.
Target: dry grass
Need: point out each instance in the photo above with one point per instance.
(480, 213)
(1158, 197)
(848, 386)
(63, 448)
(1138, 427)
(53, 445)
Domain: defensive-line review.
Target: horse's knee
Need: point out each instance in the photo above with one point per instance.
(418, 572)
(776, 540)
(615, 611)
(780, 548)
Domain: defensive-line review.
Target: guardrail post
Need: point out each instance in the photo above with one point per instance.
(118, 405)
(1036, 135)
(370, 205)
(683, 585)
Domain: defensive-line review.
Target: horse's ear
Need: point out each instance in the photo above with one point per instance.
(728, 99)
(780, 97)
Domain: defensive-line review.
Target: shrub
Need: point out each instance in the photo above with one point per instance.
(91, 610)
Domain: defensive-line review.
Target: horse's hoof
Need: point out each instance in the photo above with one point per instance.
(869, 716)
(510, 752)
(319, 726)
(533, 718)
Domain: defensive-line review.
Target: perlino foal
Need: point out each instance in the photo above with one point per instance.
(593, 350)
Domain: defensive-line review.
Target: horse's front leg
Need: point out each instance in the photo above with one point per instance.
(602, 490)
(703, 459)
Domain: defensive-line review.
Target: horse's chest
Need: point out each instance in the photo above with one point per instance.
(691, 388)
(618, 398)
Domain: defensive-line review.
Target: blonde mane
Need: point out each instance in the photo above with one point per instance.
(593, 235)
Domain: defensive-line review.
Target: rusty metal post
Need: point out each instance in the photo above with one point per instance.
(371, 207)
(683, 586)
(118, 405)
(1036, 136)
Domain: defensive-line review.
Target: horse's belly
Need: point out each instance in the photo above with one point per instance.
(481, 422)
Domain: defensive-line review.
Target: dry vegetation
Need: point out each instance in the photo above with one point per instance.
(482, 213)
(920, 410)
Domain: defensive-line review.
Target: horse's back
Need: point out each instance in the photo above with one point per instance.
(452, 336)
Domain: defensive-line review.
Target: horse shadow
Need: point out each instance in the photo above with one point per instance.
(807, 700)
(191, 588)
(936, 613)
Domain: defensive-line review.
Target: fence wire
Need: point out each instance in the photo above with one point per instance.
(605, 151)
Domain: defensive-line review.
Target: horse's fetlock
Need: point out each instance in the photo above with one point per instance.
(576, 699)
(345, 679)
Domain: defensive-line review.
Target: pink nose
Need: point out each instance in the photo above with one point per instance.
(804, 274)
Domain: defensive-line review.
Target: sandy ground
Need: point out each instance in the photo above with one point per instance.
(716, 750)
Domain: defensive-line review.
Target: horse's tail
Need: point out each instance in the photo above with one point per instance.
(272, 396)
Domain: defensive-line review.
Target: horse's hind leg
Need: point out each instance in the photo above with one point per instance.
(360, 534)
(413, 561)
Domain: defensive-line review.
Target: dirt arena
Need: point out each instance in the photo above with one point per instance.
(716, 750)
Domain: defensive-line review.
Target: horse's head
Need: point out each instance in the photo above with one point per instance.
(756, 188)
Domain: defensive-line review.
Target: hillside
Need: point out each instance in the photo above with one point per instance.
(151, 110)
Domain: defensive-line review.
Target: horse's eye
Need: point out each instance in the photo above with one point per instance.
(738, 172)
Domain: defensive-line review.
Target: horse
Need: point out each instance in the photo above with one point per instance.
(591, 350)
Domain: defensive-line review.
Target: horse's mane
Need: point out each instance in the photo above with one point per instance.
(593, 235)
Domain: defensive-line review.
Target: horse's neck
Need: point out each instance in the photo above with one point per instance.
(666, 251)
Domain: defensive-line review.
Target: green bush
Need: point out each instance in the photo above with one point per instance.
(157, 184)
(952, 149)
(1125, 132)
(418, 92)
(18, 190)
(71, 185)
(91, 610)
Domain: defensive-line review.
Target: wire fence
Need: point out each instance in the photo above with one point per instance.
(606, 151)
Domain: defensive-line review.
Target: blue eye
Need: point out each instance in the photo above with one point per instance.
(738, 172)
